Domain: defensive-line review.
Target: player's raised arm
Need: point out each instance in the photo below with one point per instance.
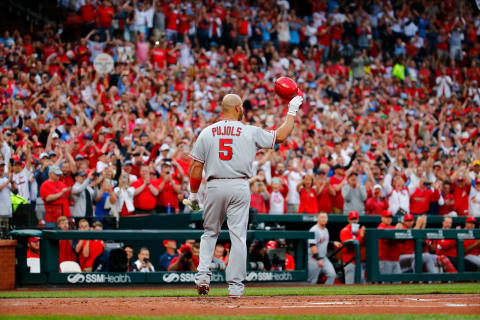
(286, 128)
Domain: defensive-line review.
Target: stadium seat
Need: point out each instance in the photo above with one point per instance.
(70, 266)
(34, 265)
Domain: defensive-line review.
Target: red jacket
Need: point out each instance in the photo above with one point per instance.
(420, 200)
(467, 243)
(376, 206)
(460, 196)
(388, 250)
(446, 247)
(345, 235)
(446, 208)
(406, 246)
(337, 199)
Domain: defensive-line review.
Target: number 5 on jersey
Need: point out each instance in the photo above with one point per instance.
(225, 149)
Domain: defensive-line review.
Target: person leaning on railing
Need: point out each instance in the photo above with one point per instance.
(471, 246)
(352, 231)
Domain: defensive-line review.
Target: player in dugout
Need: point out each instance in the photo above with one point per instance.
(352, 231)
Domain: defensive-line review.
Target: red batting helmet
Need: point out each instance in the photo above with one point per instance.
(286, 88)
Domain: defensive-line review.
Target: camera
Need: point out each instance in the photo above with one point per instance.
(146, 260)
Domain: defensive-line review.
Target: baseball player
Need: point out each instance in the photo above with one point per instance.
(352, 231)
(472, 246)
(226, 150)
(318, 262)
(407, 247)
(388, 250)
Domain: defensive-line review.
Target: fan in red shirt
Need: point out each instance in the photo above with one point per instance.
(87, 11)
(158, 56)
(423, 195)
(172, 54)
(336, 182)
(105, 14)
(308, 195)
(168, 190)
(448, 199)
(461, 190)
(146, 192)
(65, 250)
(388, 250)
(324, 191)
(55, 196)
(352, 231)
(377, 203)
(471, 247)
(258, 196)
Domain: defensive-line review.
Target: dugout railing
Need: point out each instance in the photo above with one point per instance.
(291, 221)
(49, 257)
(372, 236)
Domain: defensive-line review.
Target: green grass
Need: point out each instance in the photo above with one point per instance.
(259, 317)
(454, 288)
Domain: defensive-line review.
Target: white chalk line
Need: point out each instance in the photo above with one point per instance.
(332, 302)
(345, 305)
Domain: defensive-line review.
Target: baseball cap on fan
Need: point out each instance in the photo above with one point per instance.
(164, 147)
(56, 170)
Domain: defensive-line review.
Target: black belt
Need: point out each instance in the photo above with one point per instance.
(215, 178)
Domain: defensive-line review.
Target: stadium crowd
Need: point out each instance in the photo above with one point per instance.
(389, 121)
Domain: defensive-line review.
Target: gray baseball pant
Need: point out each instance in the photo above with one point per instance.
(225, 198)
(349, 271)
(429, 260)
(314, 271)
(473, 259)
(389, 267)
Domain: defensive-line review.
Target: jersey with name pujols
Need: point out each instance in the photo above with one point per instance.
(321, 240)
(227, 148)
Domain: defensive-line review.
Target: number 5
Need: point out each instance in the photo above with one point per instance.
(225, 147)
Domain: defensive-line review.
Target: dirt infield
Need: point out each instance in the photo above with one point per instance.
(358, 304)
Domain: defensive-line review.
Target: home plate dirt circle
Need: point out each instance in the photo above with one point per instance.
(357, 304)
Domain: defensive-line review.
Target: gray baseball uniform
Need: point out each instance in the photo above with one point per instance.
(408, 260)
(227, 150)
(321, 241)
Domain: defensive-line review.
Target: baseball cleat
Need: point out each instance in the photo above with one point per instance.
(235, 296)
(203, 289)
